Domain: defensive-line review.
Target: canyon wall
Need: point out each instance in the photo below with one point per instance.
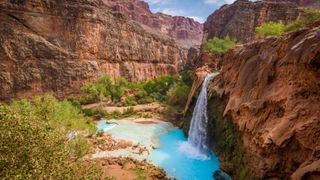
(60, 45)
(264, 107)
(186, 31)
(240, 19)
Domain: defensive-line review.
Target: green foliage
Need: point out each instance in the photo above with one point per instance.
(294, 26)
(178, 95)
(129, 112)
(130, 101)
(93, 113)
(34, 142)
(158, 87)
(87, 99)
(80, 147)
(312, 14)
(270, 29)
(137, 93)
(186, 78)
(73, 100)
(142, 97)
(277, 29)
(220, 46)
(104, 89)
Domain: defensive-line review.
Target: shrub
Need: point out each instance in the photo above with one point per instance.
(178, 95)
(220, 46)
(294, 26)
(312, 14)
(270, 29)
(74, 102)
(130, 101)
(87, 99)
(158, 87)
(34, 142)
(186, 78)
(93, 113)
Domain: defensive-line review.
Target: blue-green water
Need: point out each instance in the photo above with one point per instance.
(172, 151)
(105, 126)
(179, 164)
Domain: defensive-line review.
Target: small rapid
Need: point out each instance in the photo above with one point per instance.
(197, 145)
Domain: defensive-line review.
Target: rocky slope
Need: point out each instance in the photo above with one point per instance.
(240, 19)
(59, 45)
(308, 3)
(264, 107)
(186, 31)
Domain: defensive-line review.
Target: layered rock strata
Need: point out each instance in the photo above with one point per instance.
(60, 45)
(186, 31)
(240, 19)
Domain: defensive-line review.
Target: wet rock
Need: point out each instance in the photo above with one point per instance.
(219, 175)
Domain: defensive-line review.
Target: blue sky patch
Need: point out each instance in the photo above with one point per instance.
(196, 9)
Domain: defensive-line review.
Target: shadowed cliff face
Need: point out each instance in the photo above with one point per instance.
(240, 19)
(60, 45)
(270, 89)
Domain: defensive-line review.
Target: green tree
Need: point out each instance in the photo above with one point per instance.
(220, 46)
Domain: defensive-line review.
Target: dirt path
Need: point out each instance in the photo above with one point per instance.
(152, 107)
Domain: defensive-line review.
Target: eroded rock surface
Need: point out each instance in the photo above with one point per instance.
(240, 19)
(271, 89)
(60, 45)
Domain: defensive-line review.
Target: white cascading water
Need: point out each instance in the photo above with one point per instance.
(196, 147)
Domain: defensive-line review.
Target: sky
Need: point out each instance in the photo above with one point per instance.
(196, 9)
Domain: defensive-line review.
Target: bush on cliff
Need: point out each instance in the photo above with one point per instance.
(270, 29)
(35, 142)
(277, 29)
(220, 46)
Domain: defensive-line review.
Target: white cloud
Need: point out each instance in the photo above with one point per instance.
(157, 1)
(173, 11)
(220, 2)
(199, 19)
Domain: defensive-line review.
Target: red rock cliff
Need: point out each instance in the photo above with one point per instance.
(240, 19)
(59, 45)
(272, 92)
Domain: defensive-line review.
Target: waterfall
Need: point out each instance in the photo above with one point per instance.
(196, 147)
